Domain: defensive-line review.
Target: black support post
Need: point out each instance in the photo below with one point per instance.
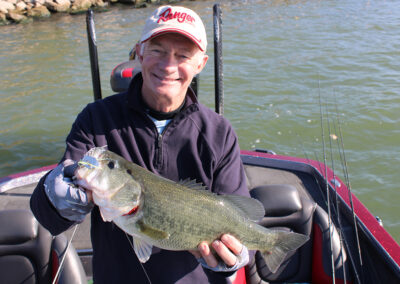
(94, 62)
(219, 76)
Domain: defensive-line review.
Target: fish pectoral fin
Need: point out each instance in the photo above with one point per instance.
(142, 250)
(151, 232)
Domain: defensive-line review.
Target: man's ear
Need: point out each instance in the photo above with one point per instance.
(139, 52)
(202, 63)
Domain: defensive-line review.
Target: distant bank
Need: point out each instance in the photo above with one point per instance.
(20, 11)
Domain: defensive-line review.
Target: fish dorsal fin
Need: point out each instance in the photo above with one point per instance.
(191, 183)
(142, 249)
(250, 207)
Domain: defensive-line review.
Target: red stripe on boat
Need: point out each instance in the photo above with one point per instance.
(127, 73)
(318, 274)
(240, 276)
(55, 264)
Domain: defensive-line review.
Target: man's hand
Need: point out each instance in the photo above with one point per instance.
(71, 201)
(233, 254)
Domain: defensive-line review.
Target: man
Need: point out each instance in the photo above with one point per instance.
(159, 125)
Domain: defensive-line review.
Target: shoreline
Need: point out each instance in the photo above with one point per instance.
(24, 11)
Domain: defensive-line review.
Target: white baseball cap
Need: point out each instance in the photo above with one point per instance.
(175, 19)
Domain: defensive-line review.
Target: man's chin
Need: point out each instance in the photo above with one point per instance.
(168, 91)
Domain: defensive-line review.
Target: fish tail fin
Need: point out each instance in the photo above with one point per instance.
(285, 243)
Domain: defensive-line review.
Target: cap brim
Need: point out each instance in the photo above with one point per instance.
(174, 30)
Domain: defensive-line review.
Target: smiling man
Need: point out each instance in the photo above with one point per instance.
(169, 63)
(158, 124)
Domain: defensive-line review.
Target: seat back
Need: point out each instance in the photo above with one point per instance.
(30, 254)
(285, 209)
(321, 251)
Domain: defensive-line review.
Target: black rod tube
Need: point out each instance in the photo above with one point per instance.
(219, 76)
(94, 62)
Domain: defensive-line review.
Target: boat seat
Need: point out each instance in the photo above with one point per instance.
(285, 209)
(30, 254)
(122, 74)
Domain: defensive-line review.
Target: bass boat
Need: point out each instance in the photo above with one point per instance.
(347, 243)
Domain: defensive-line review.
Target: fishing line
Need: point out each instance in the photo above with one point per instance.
(327, 184)
(65, 254)
(347, 180)
(345, 241)
(336, 196)
(349, 187)
(133, 248)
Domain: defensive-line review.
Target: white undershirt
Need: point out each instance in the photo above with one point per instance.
(160, 124)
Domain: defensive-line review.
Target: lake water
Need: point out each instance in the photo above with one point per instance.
(279, 56)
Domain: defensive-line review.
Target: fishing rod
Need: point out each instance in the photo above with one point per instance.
(346, 175)
(94, 62)
(343, 238)
(219, 76)
(327, 185)
(337, 213)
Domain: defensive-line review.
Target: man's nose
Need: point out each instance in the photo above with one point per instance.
(169, 62)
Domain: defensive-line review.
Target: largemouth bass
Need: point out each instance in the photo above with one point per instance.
(176, 215)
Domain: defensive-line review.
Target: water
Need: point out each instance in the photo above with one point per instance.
(278, 57)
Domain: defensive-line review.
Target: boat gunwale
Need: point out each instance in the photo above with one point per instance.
(376, 234)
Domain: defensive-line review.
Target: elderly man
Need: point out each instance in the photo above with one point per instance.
(158, 124)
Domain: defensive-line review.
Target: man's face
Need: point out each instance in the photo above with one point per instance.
(169, 63)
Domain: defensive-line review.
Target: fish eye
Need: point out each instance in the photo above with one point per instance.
(129, 172)
(111, 165)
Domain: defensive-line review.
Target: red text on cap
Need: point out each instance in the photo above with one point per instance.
(181, 17)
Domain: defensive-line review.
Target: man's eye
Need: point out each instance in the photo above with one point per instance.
(155, 51)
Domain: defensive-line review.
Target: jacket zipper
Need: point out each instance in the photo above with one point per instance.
(159, 155)
(159, 150)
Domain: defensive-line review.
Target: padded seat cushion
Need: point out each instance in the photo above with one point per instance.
(278, 199)
(17, 226)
